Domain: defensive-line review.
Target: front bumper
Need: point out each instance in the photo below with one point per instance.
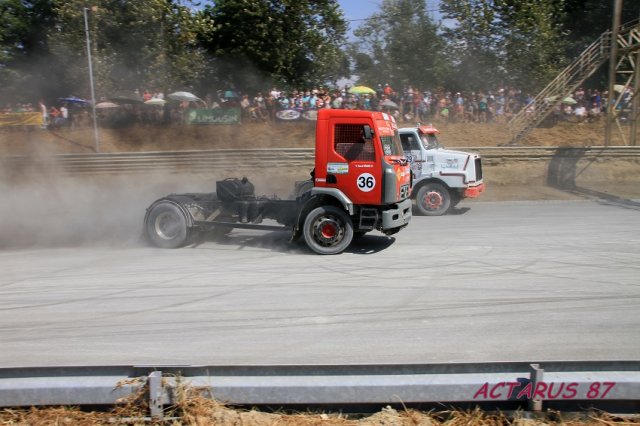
(397, 217)
(474, 191)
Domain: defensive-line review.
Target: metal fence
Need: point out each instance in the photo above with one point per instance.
(252, 159)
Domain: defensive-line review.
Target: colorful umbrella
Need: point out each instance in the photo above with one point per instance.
(74, 100)
(361, 90)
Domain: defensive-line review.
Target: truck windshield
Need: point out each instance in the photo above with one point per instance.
(391, 144)
(430, 141)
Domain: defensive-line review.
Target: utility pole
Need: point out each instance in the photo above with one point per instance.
(613, 58)
(96, 138)
(635, 105)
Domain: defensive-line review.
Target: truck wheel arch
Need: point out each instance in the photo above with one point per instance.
(313, 202)
(433, 197)
(328, 229)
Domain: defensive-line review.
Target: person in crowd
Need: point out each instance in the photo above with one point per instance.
(580, 112)
(45, 113)
(313, 99)
(500, 106)
(326, 99)
(470, 111)
(594, 112)
(245, 105)
(388, 91)
(54, 114)
(260, 107)
(568, 111)
(336, 103)
(64, 116)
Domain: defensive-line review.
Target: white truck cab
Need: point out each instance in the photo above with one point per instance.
(441, 177)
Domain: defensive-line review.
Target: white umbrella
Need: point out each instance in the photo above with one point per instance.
(105, 105)
(619, 88)
(183, 96)
(155, 101)
(569, 101)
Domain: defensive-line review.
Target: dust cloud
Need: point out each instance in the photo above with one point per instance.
(41, 207)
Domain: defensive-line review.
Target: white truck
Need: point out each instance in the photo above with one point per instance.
(441, 177)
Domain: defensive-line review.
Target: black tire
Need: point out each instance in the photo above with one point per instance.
(359, 234)
(328, 230)
(433, 199)
(455, 200)
(166, 226)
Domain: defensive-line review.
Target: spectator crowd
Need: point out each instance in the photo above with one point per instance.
(410, 104)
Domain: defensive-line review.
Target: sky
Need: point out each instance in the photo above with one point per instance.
(356, 11)
(359, 9)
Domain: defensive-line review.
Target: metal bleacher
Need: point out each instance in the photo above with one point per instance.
(571, 78)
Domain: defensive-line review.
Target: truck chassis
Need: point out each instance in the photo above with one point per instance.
(325, 221)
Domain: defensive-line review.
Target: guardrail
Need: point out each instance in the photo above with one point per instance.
(252, 159)
(532, 386)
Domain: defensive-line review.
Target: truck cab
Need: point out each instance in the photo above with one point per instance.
(441, 177)
(361, 182)
(360, 169)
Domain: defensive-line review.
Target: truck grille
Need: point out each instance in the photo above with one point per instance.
(478, 169)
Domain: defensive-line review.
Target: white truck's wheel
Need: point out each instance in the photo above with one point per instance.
(328, 230)
(433, 199)
(166, 226)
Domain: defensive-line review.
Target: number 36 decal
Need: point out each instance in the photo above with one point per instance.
(366, 182)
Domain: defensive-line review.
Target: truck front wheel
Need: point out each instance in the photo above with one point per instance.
(433, 199)
(166, 226)
(328, 230)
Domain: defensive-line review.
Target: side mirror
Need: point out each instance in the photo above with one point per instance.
(368, 132)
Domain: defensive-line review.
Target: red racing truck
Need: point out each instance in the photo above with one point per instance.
(361, 182)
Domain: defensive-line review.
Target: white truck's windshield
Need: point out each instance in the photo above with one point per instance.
(430, 141)
(391, 144)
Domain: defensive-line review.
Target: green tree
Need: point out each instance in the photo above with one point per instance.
(495, 42)
(293, 43)
(473, 44)
(585, 20)
(148, 44)
(401, 43)
(26, 67)
(533, 41)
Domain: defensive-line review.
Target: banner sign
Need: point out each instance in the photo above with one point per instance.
(21, 119)
(213, 116)
(297, 114)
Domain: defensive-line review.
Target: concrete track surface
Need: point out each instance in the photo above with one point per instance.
(495, 281)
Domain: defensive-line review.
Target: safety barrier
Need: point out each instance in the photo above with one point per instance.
(508, 385)
(252, 159)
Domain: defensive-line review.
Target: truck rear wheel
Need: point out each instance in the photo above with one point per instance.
(328, 230)
(166, 226)
(433, 199)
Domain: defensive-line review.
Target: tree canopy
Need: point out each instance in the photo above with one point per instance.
(290, 42)
(400, 42)
(167, 45)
